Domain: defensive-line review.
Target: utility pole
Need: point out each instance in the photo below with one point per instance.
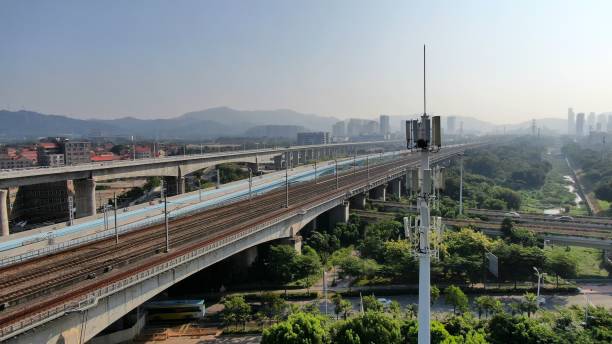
(287, 181)
(70, 210)
(115, 210)
(336, 171)
(250, 183)
(315, 172)
(355, 163)
(166, 223)
(218, 179)
(133, 149)
(200, 189)
(368, 166)
(461, 184)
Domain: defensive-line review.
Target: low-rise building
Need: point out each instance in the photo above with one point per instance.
(77, 152)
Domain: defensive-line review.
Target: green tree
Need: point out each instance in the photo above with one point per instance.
(371, 327)
(273, 306)
(411, 310)
(488, 305)
(504, 328)
(395, 309)
(371, 303)
(399, 261)
(308, 263)
(299, 328)
(341, 306)
(281, 263)
(529, 303)
(562, 265)
(357, 267)
(455, 297)
(506, 227)
(434, 294)
(236, 310)
(438, 334)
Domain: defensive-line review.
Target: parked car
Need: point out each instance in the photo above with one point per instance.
(564, 218)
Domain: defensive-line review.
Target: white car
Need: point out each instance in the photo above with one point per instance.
(513, 214)
(385, 302)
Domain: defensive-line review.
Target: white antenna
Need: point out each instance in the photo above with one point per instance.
(424, 135)
(424, 83)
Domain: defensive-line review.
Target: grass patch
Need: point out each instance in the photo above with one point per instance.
(590, 263)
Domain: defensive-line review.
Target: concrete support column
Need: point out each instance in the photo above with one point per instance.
(295, 241)
(174, 185)
(85, 197)
(379, 193)
(395, 187)
(339, 214)
(359, 201)
(4, 215)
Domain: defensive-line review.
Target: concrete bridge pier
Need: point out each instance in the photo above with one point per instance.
(295, 241)
(379, 193)
(359, 201)
(395, 187)
(339, 214)
(84, 197)
(174, 185)
(4, 216)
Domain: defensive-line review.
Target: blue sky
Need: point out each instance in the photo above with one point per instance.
(502, 61)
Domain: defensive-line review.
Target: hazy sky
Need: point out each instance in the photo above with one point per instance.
(502, 61)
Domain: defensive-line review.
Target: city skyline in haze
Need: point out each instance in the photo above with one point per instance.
(501, 62)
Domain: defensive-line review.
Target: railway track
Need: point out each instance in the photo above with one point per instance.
(57, 277)
(495, 225)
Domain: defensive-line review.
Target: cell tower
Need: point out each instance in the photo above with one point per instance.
(424, 136)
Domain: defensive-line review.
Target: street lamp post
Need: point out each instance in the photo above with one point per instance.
(540, 275)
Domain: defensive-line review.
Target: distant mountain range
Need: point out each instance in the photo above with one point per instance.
(205, 124)
(213, 123)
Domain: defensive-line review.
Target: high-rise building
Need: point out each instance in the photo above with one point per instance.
(313, 138)
(385, 128)
(601, 121)
(580, 124)
(571, 122)
(370, 127)
(354, 127)
(451, 124)
(339, 129)
(610, 124)
(591, 122)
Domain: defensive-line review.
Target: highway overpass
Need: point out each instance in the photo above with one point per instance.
(79, 181)
(72, 295)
